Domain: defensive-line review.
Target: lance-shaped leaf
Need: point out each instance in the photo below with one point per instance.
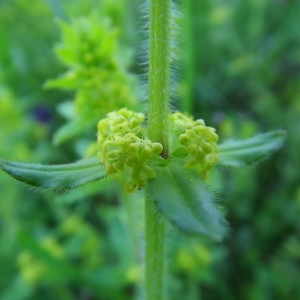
(60, 177)
(186, 201)
(250, 151)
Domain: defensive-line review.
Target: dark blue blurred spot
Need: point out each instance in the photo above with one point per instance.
(42, 114)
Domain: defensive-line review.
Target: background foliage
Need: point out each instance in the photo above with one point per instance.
(244, 79)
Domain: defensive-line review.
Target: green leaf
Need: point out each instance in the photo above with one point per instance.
(250, 151)
(60, 177)
(180, 152)
(68, 81)
(186, 201)
(157, 161)
(68, 56)
(71, 129)
(67, 109)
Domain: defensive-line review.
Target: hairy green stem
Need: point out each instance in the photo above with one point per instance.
(158, 123)
(159, 72)
(154, 256)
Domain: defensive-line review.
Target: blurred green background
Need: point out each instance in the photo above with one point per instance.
(239, 70)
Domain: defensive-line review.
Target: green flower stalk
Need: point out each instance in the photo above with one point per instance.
(159, 71)
(158, 129)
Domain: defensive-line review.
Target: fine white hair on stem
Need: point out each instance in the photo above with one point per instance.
(174, 52)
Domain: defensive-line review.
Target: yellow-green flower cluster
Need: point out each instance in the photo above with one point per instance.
(89, 50)
(124, 150)
(199, 141)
